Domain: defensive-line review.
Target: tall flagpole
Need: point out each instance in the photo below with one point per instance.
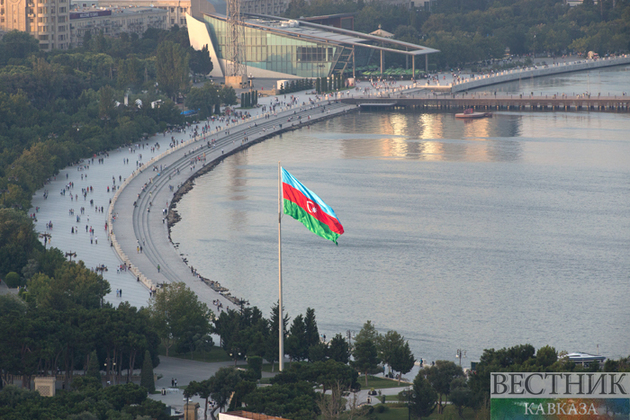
(280, 318)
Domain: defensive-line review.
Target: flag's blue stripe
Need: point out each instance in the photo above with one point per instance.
(287, 178)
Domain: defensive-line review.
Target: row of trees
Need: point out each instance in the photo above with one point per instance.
(371, 348)
(87, 401)
(249, 99)
(57, 107)
(290, 86)
(291, 394)
(329, 84)
(59, 319)
(445, 381)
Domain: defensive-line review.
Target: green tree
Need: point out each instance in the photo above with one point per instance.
(146, 376)
(228, 95)
(310, 328)
(296, 343)
(461, 396)
(368, 332)
(73, 285)
(221, 386)
(423, 398)
(395, 352)
(203, 390)
(203, 99)
(546, 356)
(296, 401)
(172, 68)
(440, 377)
(402, 360)
(12, 279)
(18, 240)
(200, 61)
(254, 364)
(339, 350)
(175, 311)
(17, 45)
(365, 357)
(318, 352)
(94, 370)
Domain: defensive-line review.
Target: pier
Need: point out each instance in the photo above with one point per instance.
(537, 71)
(487, 102)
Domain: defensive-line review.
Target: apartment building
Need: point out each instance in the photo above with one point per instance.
(46, 20)
(114, 21)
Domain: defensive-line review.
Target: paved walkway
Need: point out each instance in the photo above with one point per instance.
(69, 206)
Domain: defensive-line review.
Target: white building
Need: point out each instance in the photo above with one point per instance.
(176, 10)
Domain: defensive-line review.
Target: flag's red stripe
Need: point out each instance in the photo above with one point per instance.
(296, 196)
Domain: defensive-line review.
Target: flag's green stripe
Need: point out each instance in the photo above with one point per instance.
(311, 223)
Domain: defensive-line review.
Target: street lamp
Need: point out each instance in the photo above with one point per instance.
(409, 403)
(460, 353)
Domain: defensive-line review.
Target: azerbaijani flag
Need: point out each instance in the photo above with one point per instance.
(305, 206)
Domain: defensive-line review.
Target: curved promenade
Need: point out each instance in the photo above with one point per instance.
(136, 214)
(537, 71)
(71, 201)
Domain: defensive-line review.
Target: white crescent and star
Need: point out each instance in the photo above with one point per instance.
(311, 207)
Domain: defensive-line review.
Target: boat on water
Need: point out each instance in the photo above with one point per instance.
(470, 113)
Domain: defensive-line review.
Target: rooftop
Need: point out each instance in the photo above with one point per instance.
(329, 34)
(252, 416)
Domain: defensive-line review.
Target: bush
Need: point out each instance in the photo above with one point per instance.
(146, 375)
(380, 408)
(12, 279)
(254, 363)
(366, 410)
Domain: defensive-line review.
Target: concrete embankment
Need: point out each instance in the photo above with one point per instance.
(537, 71)
(139, 209)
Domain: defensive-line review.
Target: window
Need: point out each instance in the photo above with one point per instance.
(62, 10)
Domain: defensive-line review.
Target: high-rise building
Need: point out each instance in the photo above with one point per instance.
(113, 22)
(46, 20)
(176, 9)
(264, 7)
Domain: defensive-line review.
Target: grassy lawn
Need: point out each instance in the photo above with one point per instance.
(217, 354)
(266, 367)
(379, 382)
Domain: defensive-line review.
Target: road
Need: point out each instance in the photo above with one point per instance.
(151, 190)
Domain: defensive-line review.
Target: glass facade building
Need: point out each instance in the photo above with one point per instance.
(276, 47)
(281, 52)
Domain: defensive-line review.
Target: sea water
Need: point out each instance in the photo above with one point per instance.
(458, 234)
